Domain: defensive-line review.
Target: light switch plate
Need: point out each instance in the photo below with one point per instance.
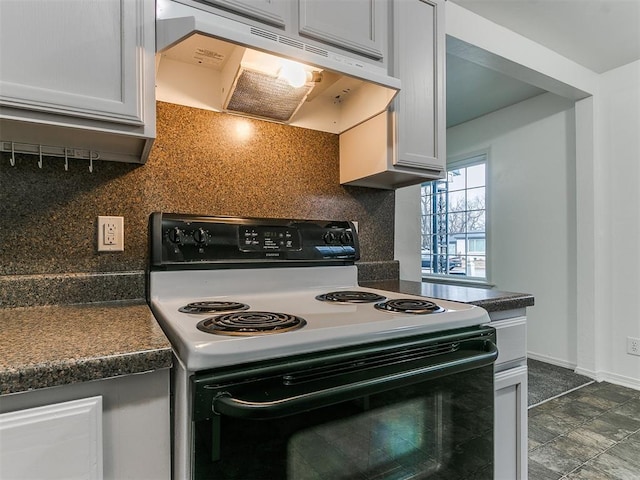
(110, 234)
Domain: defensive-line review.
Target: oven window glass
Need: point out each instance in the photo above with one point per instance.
(440, 429)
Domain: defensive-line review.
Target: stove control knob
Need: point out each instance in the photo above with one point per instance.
(176, 235)
(200, 236)
(329, 237)
(346, 238)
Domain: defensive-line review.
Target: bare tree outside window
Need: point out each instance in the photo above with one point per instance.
(454, 220)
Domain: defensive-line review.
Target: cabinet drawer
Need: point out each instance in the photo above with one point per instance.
(512, 339)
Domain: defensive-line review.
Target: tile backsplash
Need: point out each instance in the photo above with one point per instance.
(202, 162)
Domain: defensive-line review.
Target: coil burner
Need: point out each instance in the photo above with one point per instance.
(213, 306)
(251, 323)
(409, 305)
(350, 296)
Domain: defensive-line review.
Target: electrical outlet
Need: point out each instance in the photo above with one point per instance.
(110, 234)
(633, 346)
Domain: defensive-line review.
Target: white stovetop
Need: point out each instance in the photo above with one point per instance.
(329, 325)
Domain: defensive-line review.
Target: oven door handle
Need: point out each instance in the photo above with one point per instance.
(225, 404)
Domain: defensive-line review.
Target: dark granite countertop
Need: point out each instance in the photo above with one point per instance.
(489, 299)
(64, 344)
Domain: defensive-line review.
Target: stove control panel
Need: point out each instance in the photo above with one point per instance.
(191, 241)
(276, 239)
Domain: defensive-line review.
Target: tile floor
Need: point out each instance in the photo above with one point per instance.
(590, 433)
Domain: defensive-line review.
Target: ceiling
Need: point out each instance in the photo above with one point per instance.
(597, 34)
(474, 91)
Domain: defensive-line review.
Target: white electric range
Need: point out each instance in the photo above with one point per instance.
(233, 292)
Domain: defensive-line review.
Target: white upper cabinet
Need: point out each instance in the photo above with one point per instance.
(405, 145)
(76, 57)
(419, 53)
(359, 26)
(75, 67)
(272, 12)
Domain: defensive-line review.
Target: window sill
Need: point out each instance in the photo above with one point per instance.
(449, 280)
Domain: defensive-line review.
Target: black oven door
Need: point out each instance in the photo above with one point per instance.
(414, 408)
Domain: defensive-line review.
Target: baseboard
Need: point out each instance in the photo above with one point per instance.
(599, 376)
(588, 373)
(621, 380)
(553, 361)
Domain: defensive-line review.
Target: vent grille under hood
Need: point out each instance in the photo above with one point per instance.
(261, 95)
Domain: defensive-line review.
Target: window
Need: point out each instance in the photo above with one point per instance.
(454, 221)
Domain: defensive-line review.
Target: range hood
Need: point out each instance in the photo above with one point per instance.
(212, 62)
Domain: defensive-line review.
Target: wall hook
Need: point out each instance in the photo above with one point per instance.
(66, 161)
(90, 161)
(12, 159)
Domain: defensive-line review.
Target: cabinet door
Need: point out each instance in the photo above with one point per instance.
(63, 440)
(510, 435)
(356, 25)
(272, 12)
(75, 57)
(418, 59)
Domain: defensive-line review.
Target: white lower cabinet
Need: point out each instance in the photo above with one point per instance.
(510, 434)
(112, 429)
(510, 386)
(63, 440)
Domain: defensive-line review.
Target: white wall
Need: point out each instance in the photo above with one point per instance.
(532, 243)
(618, 125)
(531, 212)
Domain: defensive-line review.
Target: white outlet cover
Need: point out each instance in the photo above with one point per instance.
(115, 244)
(633, 346)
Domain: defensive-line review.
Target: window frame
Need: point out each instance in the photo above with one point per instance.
(453, 163)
